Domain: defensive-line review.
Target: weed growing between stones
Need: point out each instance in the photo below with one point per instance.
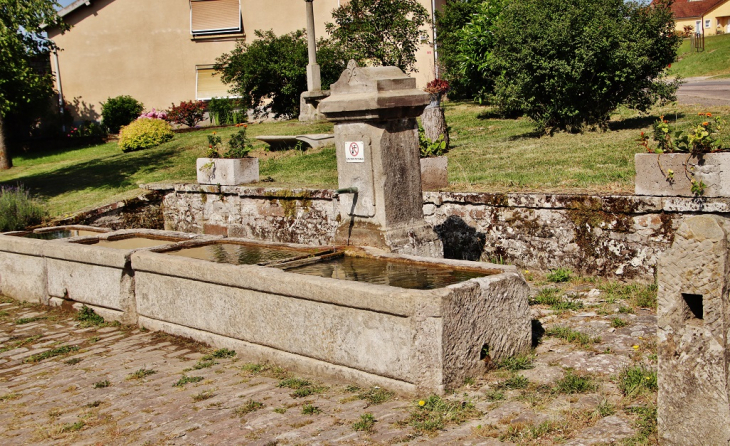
(376, 395)
(514, 382)
(220, 354)
(10, 397)
(617, 322)
(249, 407)
(77, 426)
(141, 373)
(517, 362)
(28, 320)
(523, 432)
(494, 395)
(434, 413)
(58, 351)
(88, 317)
(20, 343)
(547, 296)
(102, 384)
(204, 395)
(572, 383)
(280, 410)
(73, 361)
(93, 404)
(204, 364)
(187, 379)
(559, 275)
(636, 380)
(639, 295)
(365, 424)
(572, 336)
(252, 368)
(309, 409)
(646, 423)
(294, 383)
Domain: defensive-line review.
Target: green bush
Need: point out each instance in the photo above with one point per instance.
(144, 133)
(567, 64)
(466, 41)
(226, 111)
(120, 111)
(18, 210)
(270, 73)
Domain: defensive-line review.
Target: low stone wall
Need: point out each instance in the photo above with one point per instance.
(619, 236)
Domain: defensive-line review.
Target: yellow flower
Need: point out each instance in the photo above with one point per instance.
(421, 403)
(648, 377)
(636, 347)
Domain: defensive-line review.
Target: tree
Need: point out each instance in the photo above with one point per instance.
(21, 41)
(455, 15)
(383, 32)
(568, 64)
(270, 73)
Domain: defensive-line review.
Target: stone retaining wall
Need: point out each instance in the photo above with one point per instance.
(619, 236)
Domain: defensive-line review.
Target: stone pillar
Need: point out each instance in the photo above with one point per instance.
(693, 322)
(376, 134)
(309, 100)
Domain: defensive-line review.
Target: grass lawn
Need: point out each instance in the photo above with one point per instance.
(487, 154)
(714, 61)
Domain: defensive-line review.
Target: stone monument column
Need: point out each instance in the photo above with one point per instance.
(378, 168)
(309, 100)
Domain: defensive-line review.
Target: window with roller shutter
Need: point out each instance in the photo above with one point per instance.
(215, 17)
(209, 85)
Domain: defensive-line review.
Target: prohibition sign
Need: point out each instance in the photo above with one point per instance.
(354, 149)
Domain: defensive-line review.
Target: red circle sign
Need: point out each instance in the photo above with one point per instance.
(354, 149)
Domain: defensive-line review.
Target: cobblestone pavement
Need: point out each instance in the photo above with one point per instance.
(65, 381)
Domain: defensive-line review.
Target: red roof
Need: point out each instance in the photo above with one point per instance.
(693, 8)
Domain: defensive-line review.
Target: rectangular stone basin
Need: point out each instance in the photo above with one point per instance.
(406, 339)
(394, 272)
(22, 264)
(237, 252)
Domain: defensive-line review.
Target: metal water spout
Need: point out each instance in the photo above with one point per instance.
(347, 190)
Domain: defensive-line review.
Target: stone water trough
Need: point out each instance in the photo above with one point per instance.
(402, 337)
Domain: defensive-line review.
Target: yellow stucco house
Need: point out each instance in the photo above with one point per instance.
(709, 17)
(162, 51)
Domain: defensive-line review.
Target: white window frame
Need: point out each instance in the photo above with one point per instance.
(708, 23)
(208, 32)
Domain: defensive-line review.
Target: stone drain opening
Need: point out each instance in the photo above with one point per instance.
(694, 304)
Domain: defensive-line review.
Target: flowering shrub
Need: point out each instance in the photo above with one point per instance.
(701, 138)
(144, 133)
(189, 113)
(239, 145)
(154, 114)
(437, 86)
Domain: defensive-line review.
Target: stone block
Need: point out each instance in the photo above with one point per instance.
(434, 172)
(693, 316)
(227, 172)
(23, 268)
(652, 178)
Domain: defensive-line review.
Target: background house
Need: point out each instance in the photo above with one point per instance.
(705, 16)
(162, 51)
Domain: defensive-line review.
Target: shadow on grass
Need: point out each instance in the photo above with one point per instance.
(45, 147)
(639, 122)
(495, 113)
(112, 172)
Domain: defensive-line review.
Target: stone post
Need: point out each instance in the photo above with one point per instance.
(309, 100)
(314, 82)
(693, 321)
(378, 168)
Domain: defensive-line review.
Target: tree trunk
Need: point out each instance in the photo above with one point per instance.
(434, 123)
(5, 161)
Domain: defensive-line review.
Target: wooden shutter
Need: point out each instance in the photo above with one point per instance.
(210, 86)
(215, 16)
